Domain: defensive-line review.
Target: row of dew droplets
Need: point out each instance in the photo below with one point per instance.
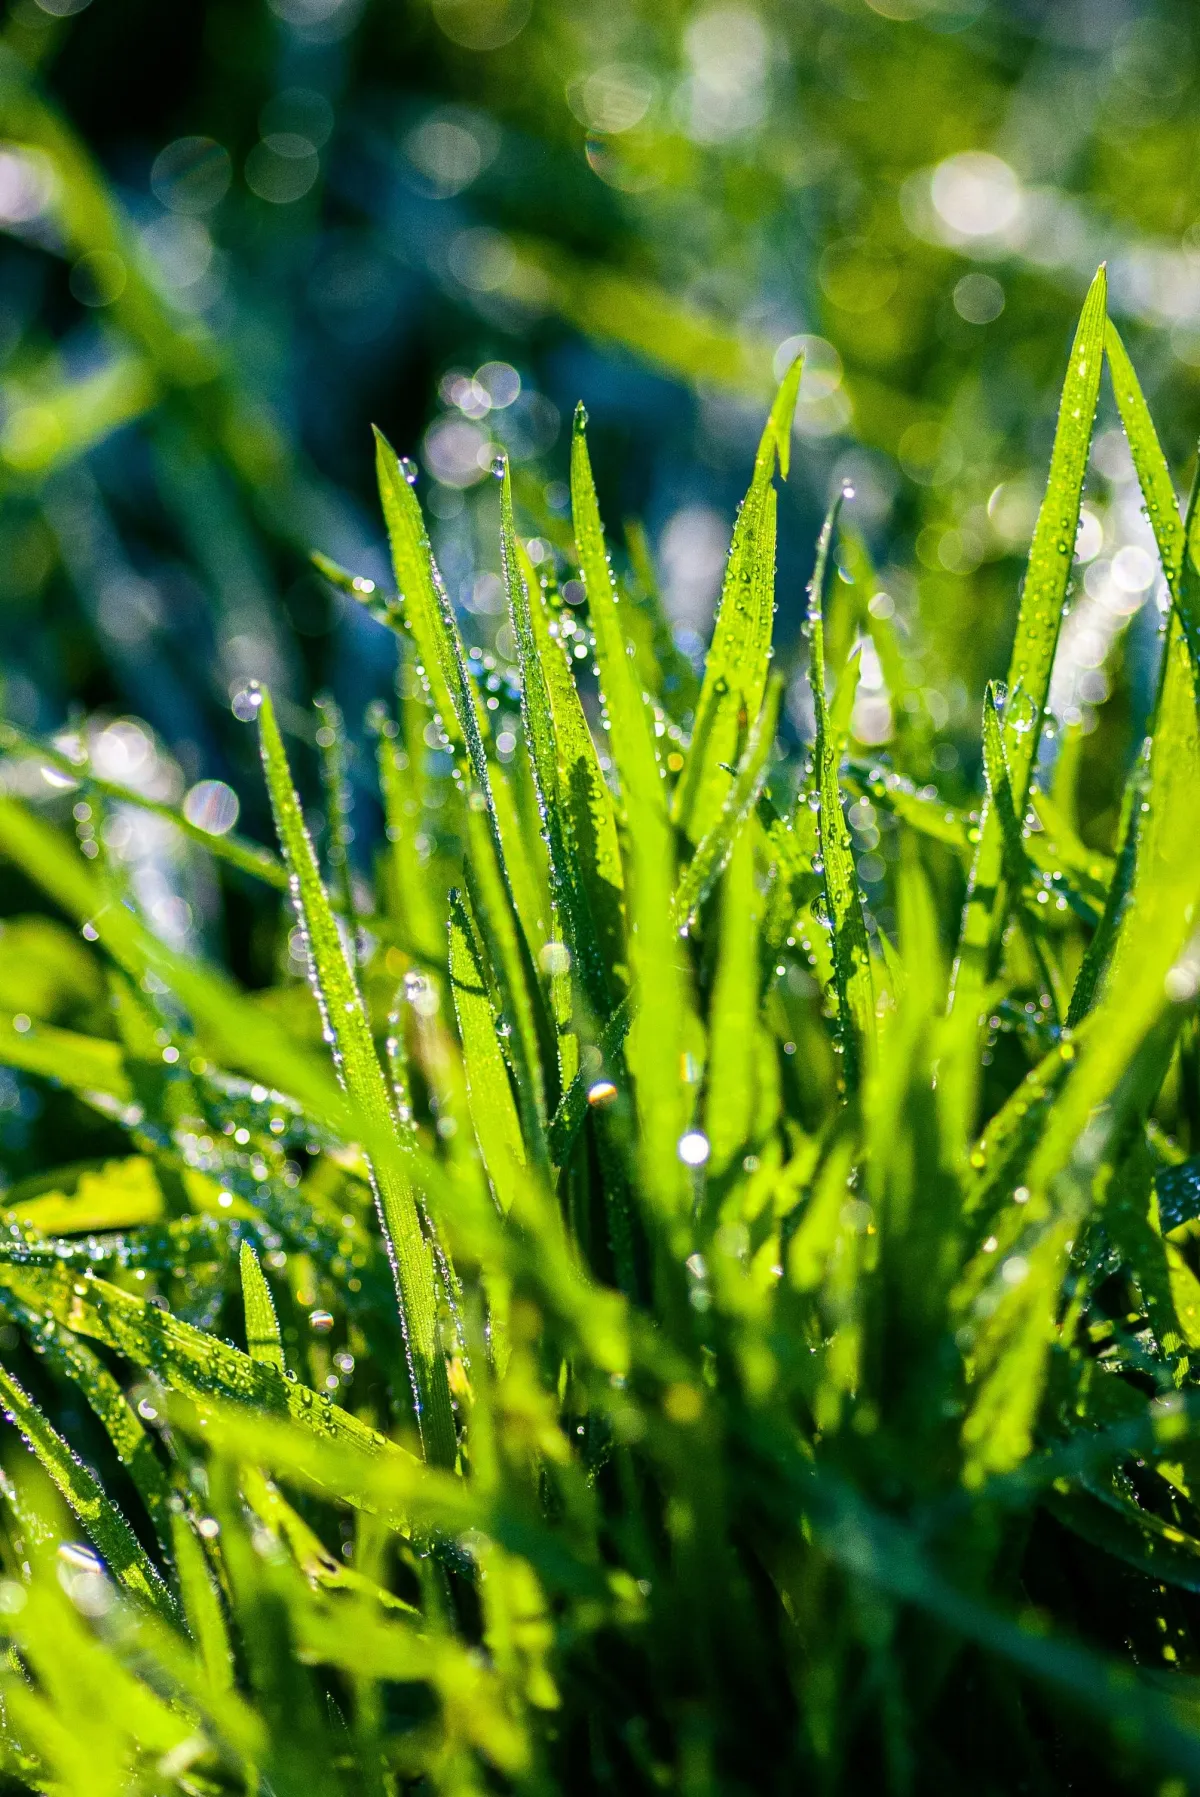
(347, 1031)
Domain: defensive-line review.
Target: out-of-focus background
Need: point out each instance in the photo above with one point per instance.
(234, 234)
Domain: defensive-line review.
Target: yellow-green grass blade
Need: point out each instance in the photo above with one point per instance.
(201, 1604)
(186, 1359)
(74, 1360)
(842, 896)
(654, 1053)
(411, 901)
(1078, 1128)
(735, 673)
(731, 1092)
(1104, 936)
(570, 910)
(509, 884)
(349, 1034)
(493, 1109)
(712, 852)
(263, 1339)
(584, 795)
(107, 1529)
(1154, 476)
(1038, 622)
(1014, 861)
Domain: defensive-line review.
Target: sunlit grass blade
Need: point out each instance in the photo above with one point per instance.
(1013, 861)
(843, 900)
(263, 1339)
(1104, 936)
(584, 795)
(107, 1529)
(733, 1021)
(74, 1360)
(509, 883)
(568, 894)
(493, 1109)
(1039, 619)
(735, 672)
(713, 851)
(654, 1052)
(358, 1066)
(1154, 476)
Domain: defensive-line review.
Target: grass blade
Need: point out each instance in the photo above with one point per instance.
(1038, 623)
(107, 1529)
(843, 900)
(263, 1339)
(349, 1034)
(735, 672)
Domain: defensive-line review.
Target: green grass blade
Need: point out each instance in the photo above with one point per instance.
(509, 883)
(349, 1034)
(1038, 622)
(1154, 476)
(72, 1359)
(586, 802)
(263, 1339)
(201, 1605)
(735, 673)
(713, 851)
(107, 1529)
(493, 1109)
(843, 900)
(1104, 936)
(653, 1052)
(733, 1020)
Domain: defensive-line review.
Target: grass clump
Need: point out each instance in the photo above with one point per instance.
(648, 1324)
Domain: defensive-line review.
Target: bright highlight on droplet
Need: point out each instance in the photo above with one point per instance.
(602, 1093)
(555, 958)
(693, 1148)
(212, 806)
(320, 1322)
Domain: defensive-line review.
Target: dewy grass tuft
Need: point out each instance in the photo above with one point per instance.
(632, 1320)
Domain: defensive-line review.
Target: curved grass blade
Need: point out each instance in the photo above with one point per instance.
(107, 1529)
(735, 673)
(72, 1360)
(358, 1067)
(1038, 624)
